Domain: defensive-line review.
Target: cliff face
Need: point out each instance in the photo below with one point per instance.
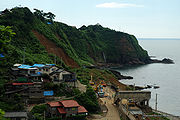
(86, 45)
(114, 47)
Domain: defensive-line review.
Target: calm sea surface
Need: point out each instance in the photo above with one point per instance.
(167, 76)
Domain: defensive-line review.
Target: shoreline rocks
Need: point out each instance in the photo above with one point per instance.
(165, 61)
(119, 75)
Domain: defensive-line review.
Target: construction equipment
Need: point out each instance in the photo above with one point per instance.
(103, 83)
(91, 81)
(100, 91)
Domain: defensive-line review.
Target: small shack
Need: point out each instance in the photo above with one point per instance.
(16, 115)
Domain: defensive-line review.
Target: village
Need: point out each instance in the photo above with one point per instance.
(30, 83)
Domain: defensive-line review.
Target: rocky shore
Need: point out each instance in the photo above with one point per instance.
(165, 61)
(119, 75)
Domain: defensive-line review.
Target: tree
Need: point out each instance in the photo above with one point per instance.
(6, 34)
(2, 115)
(39, 14)
(50, 16)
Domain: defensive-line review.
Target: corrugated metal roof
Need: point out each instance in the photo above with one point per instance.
(69, 103)
(17, 65)
(50, 64)
(25, 67)
(55, 104)
(81, 109)
(39, 65)
(15, 115)
(61, 110)
(48, 93)
(22, 83)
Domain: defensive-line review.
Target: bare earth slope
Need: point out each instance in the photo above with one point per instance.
(52, 48)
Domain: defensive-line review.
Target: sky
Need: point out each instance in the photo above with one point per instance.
(142, 18)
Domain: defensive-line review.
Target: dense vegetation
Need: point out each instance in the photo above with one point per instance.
(87, 45)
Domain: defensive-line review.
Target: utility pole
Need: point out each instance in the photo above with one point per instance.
(54, 59)
(61, 61)
(24, 55)
(156, 103)
(44, 115)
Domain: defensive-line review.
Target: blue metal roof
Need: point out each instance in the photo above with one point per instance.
(48, 93)
(50, 64)
(38, 65)
(39, 73)
(1, 55)
(49, 23)
(25, 66)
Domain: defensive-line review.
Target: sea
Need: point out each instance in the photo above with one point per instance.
(166, 76)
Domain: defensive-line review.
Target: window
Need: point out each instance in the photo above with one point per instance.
(73, 109)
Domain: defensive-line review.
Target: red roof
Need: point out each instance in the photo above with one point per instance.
(22, 83)
(81, 109)
(69, 103)
(61, 110)
(55, 104)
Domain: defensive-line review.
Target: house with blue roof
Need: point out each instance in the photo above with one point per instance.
(28, 72)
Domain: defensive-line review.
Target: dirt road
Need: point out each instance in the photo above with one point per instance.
(112, 113)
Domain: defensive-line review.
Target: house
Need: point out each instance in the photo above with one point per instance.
(39, 66)
(65, 108)
(15, 69)
(31, 92)
(36, 91)
(36, 71)
(27, 69)
(30, 72)
(20, 88)
(16, 115)
(49, 68)
(61, 75)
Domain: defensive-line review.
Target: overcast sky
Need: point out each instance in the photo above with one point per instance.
(143, 18)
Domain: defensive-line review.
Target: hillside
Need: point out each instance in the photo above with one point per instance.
(76, 47)
(39, 39)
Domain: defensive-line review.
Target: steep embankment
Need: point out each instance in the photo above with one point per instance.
(52, 48)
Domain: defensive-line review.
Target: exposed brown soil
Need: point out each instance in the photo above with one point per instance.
(120, 85)
(52, 48)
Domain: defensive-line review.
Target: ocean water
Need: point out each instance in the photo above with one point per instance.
(167, 76)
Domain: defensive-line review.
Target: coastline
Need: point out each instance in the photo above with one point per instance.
(170, 116)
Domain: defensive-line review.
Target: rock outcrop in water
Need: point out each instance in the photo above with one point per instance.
(165, 61)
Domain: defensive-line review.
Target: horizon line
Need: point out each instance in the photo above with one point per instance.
(157, 38)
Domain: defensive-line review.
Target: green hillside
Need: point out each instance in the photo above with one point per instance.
(36, 38)
(91, 44)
